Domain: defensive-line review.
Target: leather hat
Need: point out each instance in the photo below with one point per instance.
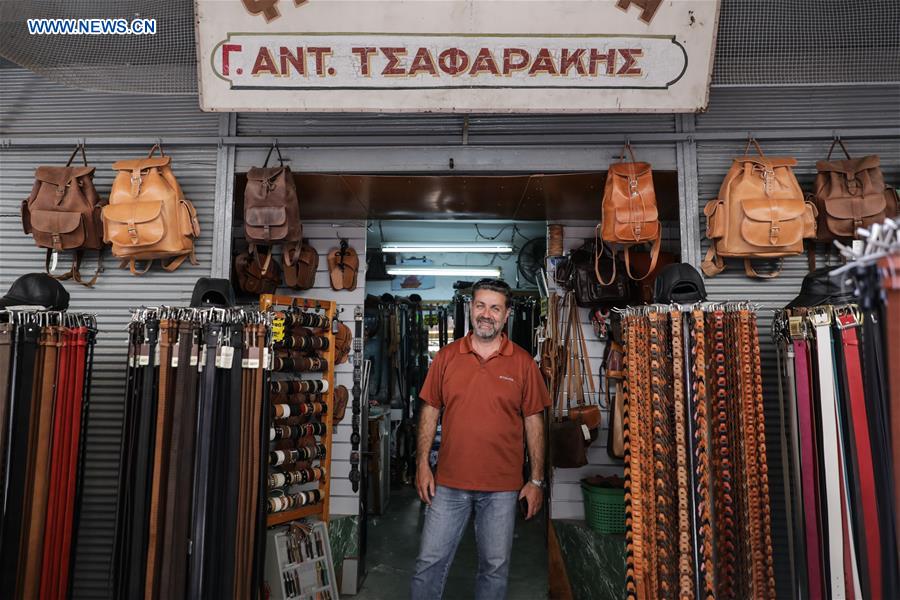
(36, 289)
(820, 287)
(679, 283)
(212, 292)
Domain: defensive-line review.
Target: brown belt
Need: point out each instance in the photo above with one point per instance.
(891, 285)
(685, 550)
(36, 515)
(663, 556)
(633, 481)
(157, 515)
(702, 449)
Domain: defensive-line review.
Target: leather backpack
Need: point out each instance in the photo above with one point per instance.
(760, 213)
(630, 216)
(850, 194)
(148, 216)
(255, 278)
(63, 213)
(271, 209)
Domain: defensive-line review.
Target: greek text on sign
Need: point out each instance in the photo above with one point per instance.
(310, 61)
(455, 55)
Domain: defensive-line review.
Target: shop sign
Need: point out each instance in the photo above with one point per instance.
(455, 56)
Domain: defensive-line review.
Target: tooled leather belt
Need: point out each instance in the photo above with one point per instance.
(634, 514)
(664, 555)
(702, 448)
(685, 549)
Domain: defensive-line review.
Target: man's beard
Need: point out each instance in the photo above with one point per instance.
(483, 331)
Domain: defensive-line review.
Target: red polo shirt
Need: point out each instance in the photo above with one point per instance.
(485, 402)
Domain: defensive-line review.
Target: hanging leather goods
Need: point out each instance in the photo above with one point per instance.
(614, 368)
(148, 217)
(355, 434)
(272, 211)
(685, 548)
(63, 213)
(760, 213)
(630, 215)
(584, 413)
(568, 439)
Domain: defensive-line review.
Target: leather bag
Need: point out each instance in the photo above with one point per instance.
(849, 194)
(63, 213)
(578, 273)
(760, 213)
(630, 215)
(272, 210)
(614, 367)
(148, 216)
(255, 278)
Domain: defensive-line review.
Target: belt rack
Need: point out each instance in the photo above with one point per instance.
(328, 308)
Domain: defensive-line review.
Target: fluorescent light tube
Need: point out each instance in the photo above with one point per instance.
(445, 271)
(421, 247)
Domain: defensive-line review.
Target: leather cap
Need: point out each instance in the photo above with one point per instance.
(36, 289)
(679, 283)
(212, 292)
(820, 287)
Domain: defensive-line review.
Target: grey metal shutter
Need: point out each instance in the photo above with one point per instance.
(767, 110)
(32, 108)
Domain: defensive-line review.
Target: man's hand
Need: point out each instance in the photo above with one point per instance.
(535, 498)
(425, 483)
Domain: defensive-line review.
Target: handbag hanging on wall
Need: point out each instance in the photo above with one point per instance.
(578, 274)
(630, 215)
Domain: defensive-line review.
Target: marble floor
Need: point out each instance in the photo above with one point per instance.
(394, 543)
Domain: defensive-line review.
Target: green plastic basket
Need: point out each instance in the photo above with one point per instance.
(604, 508)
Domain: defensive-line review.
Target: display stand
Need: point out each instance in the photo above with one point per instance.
(270, 302)
(309, 575)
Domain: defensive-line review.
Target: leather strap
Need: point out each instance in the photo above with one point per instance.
(890, 267)
(654, 256)
(809, 466)
(15, 483)
(867, 497)
(821, 321)
(7, 335)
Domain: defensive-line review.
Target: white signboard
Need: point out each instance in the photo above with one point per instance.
(455, 55)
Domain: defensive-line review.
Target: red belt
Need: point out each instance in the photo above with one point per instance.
(860, 424)
(809, 470)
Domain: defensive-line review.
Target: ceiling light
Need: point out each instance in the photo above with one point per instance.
(421, 247)
(461, 271)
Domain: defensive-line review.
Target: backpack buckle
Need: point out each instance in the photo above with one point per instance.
(133, 233)
(774, 230)
(57, 241)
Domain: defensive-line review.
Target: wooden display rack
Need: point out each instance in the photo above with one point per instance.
(320, 510)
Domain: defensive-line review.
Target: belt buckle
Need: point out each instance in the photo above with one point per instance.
(820, 316)
(797, 327)
(846, 317)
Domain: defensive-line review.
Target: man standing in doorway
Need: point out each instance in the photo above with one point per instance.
(490, 390)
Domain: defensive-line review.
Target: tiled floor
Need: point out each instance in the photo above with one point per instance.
(394, 543)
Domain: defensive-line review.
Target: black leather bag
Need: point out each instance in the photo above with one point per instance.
(577, 274)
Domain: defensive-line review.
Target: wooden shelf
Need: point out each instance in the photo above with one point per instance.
(293, 515)
(321, 509)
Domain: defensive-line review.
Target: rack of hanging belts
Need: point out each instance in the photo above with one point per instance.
(839, 370)
(46, 359)
(301, 407)
(698, 522)
(190, 520)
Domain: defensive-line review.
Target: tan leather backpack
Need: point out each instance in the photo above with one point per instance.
(148, 216)
(849, 194)
(760, 213)
(630, 216)
(63, 213)
(271, 209)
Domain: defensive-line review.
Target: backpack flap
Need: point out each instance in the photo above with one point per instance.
(59, 230)
(773, 225)
(142, 164)
(843, 215)
(265, 224)
(133, 224)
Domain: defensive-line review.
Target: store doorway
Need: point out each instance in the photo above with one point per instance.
(409, 316)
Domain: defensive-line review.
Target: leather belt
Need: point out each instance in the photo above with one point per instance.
(867, 495)
(891, 286)
(821, 321)
(702, 445)
(685, 548)
(7, 334)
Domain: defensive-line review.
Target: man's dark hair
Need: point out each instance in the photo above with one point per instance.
(493, 285)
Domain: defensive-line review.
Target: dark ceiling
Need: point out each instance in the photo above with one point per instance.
(571, 196)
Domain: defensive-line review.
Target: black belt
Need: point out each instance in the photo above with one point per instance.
(20, 408)
(203, 479)
(7, 335)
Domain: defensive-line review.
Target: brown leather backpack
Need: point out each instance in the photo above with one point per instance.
(850, 194)
(63, 213)
(254, 277)
(630, 216)
(147, 216)
(271, 209)
(760, 213)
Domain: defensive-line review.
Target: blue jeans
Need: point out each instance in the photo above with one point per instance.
(445, 521)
